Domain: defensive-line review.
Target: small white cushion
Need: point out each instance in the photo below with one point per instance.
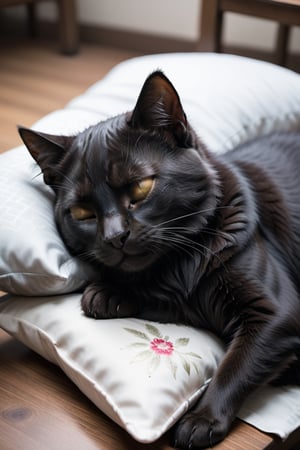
(143, 375)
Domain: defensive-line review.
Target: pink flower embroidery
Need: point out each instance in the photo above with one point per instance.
(155, 348)
(161, 346)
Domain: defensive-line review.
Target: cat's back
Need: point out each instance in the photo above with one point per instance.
(274, 158)
(276, 153)
(271, 167)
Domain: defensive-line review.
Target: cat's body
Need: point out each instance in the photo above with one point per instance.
(183, 235)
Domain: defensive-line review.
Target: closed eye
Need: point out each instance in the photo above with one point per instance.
(81, 213)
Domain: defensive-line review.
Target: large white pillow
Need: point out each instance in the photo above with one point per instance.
(228, 99)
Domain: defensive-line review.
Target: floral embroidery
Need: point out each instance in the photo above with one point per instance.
(156, 348)
(161, 346)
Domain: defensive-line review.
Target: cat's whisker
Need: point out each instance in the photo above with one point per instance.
(87, 255)
(37, 175)
(171, 243)
(173, 232)
(182, 242)
(209, 231)
(70, 183)
(61, 187)
(194, 213)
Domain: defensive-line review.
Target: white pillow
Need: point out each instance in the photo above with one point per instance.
(143, 375)
(33, 258)
(228, 99)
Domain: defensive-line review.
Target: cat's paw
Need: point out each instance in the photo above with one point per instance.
(100, 302)
(198, 429)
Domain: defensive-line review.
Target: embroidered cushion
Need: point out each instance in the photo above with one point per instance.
(143, 375)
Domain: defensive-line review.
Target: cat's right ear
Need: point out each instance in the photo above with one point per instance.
(159, 107)
(47, 150)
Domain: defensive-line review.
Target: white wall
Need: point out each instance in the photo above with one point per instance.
(174, 18)
(167, 17)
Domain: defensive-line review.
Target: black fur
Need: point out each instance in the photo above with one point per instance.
(182, 235)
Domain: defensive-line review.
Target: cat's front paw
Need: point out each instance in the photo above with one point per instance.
(101, 302)
(198, 429)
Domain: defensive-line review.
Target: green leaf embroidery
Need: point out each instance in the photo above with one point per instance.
(196, 368)
(153, 330)
(138, 345)
(142, 356)
(194, 355)
(137, 333)
(181, 342)
(173, 367)
(186, 366)
(153, 364)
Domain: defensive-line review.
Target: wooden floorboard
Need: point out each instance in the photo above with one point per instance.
(35, 79)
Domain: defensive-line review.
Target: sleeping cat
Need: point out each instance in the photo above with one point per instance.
(180, 234)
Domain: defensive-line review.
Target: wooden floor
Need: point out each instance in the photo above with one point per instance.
(36, 79)
(40, 408)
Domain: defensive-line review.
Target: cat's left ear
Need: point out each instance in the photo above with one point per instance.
(159, 107)
(47, 150)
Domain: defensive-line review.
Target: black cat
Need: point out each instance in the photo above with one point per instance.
(180, 234)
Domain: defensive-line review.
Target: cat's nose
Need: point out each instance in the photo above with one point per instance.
(119, 240)
(115, 232)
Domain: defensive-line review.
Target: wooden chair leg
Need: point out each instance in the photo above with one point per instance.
(211, 27)
(282, 44)
(69, 40)
(31, 19)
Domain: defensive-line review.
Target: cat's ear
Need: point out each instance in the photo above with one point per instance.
(159, 107)
(47, 150)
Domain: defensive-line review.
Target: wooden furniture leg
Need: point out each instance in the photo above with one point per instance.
(31, 18)
(210, 26)
(285, 12)
(282, 44)
(68, 29)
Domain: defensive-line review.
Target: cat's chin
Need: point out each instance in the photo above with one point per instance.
(136, 263)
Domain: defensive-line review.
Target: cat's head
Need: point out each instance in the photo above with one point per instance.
(131, 188)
